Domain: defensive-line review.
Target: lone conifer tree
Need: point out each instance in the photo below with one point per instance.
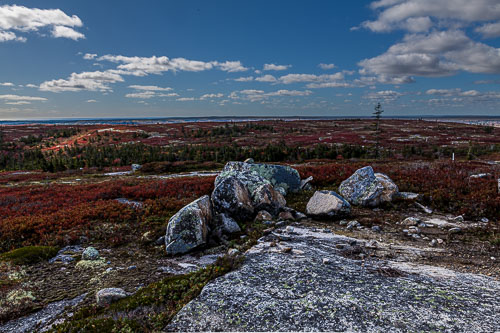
(377, 113)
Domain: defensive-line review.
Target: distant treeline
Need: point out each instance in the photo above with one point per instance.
(125, 154)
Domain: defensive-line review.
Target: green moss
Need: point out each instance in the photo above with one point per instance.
(29, 255)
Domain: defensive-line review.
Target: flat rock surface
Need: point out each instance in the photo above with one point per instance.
(281, 290)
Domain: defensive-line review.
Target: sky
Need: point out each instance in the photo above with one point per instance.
(134, 59)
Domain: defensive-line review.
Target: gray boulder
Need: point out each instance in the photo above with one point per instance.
(327, 204)
(106, 296)
(265, 197)
(188, 228)
(278, 175)
(365, 188)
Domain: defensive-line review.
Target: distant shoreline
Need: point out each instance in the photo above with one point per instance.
(167, 120)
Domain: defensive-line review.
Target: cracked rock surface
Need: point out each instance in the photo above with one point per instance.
(319, 285)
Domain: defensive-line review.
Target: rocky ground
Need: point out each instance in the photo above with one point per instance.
(308, 279)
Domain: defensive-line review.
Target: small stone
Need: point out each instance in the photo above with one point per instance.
(249, 160)
(132, 267)
(371, 244)
(376, 228)
(484, 220)
(459, 218)
(422, 225)
(280, 224)
(300, 216)
(90, 253)
(433, 243)
(290, 229)
(233, 252)
(454, 230)
(415, 236)
(107, 296)
(353, 224)
(493, 258)
(326, 261)
(326, 231)
(439, 241)
(243, 236)
(267, 231)
(340, 246)
(425, 209)
(286, 249)
(109, 269)
(267, 223)
(343, 222)
(405, 231)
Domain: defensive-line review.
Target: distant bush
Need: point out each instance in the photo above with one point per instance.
(29, 255)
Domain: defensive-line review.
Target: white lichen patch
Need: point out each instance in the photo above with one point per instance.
(91, 264)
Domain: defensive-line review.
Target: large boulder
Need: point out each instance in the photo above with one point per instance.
(365, 188)
(327, 204)
(241, 194)
(278, 175)
(231, 197)
(188, 228)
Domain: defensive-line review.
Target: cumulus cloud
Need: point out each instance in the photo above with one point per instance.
(93, 81)
(296, 78)
(185, 99)
(326, 66)
(274, 67)
(15, 19)
(384, 95)
(7, 84)
(254, 95)
(91, 101)
(435, 43)
(420, 15)
(266, 78)
(150, 94)
(18, 103)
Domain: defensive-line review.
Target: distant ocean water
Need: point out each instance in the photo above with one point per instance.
(170, 120)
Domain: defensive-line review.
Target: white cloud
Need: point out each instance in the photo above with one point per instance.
(23, 19)
(274, 67)
(89, 56)
(7, 84)
(29, 85)
(93, 81)
(150, 94)
(296, 78)
(254, 95)
(21, 98)
(60, 31)
(244, 79)
(266, 78)
(489, 30)
(150, 88)
(418, 15)
(206, 96)
(142, 66)
(384, 95)
(230, 66)
(439, 53)
(91, 101)
(185, 99)
(326, 66)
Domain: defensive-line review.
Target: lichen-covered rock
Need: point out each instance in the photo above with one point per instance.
(278, 175)
(188, 228)
(263, 216)
(327, 204)
(232, 197)
(407, 196)
(90, 253)
(365, 188)
(107, 296)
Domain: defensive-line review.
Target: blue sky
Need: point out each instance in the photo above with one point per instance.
(89, 58)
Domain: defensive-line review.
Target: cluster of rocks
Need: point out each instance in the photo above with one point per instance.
(243, 190)
(364, 188)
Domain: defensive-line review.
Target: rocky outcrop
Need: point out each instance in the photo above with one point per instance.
(327, 204)
(278, 175)
(369, 189)
(90, 253)
(316, 286)
(188, 228)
